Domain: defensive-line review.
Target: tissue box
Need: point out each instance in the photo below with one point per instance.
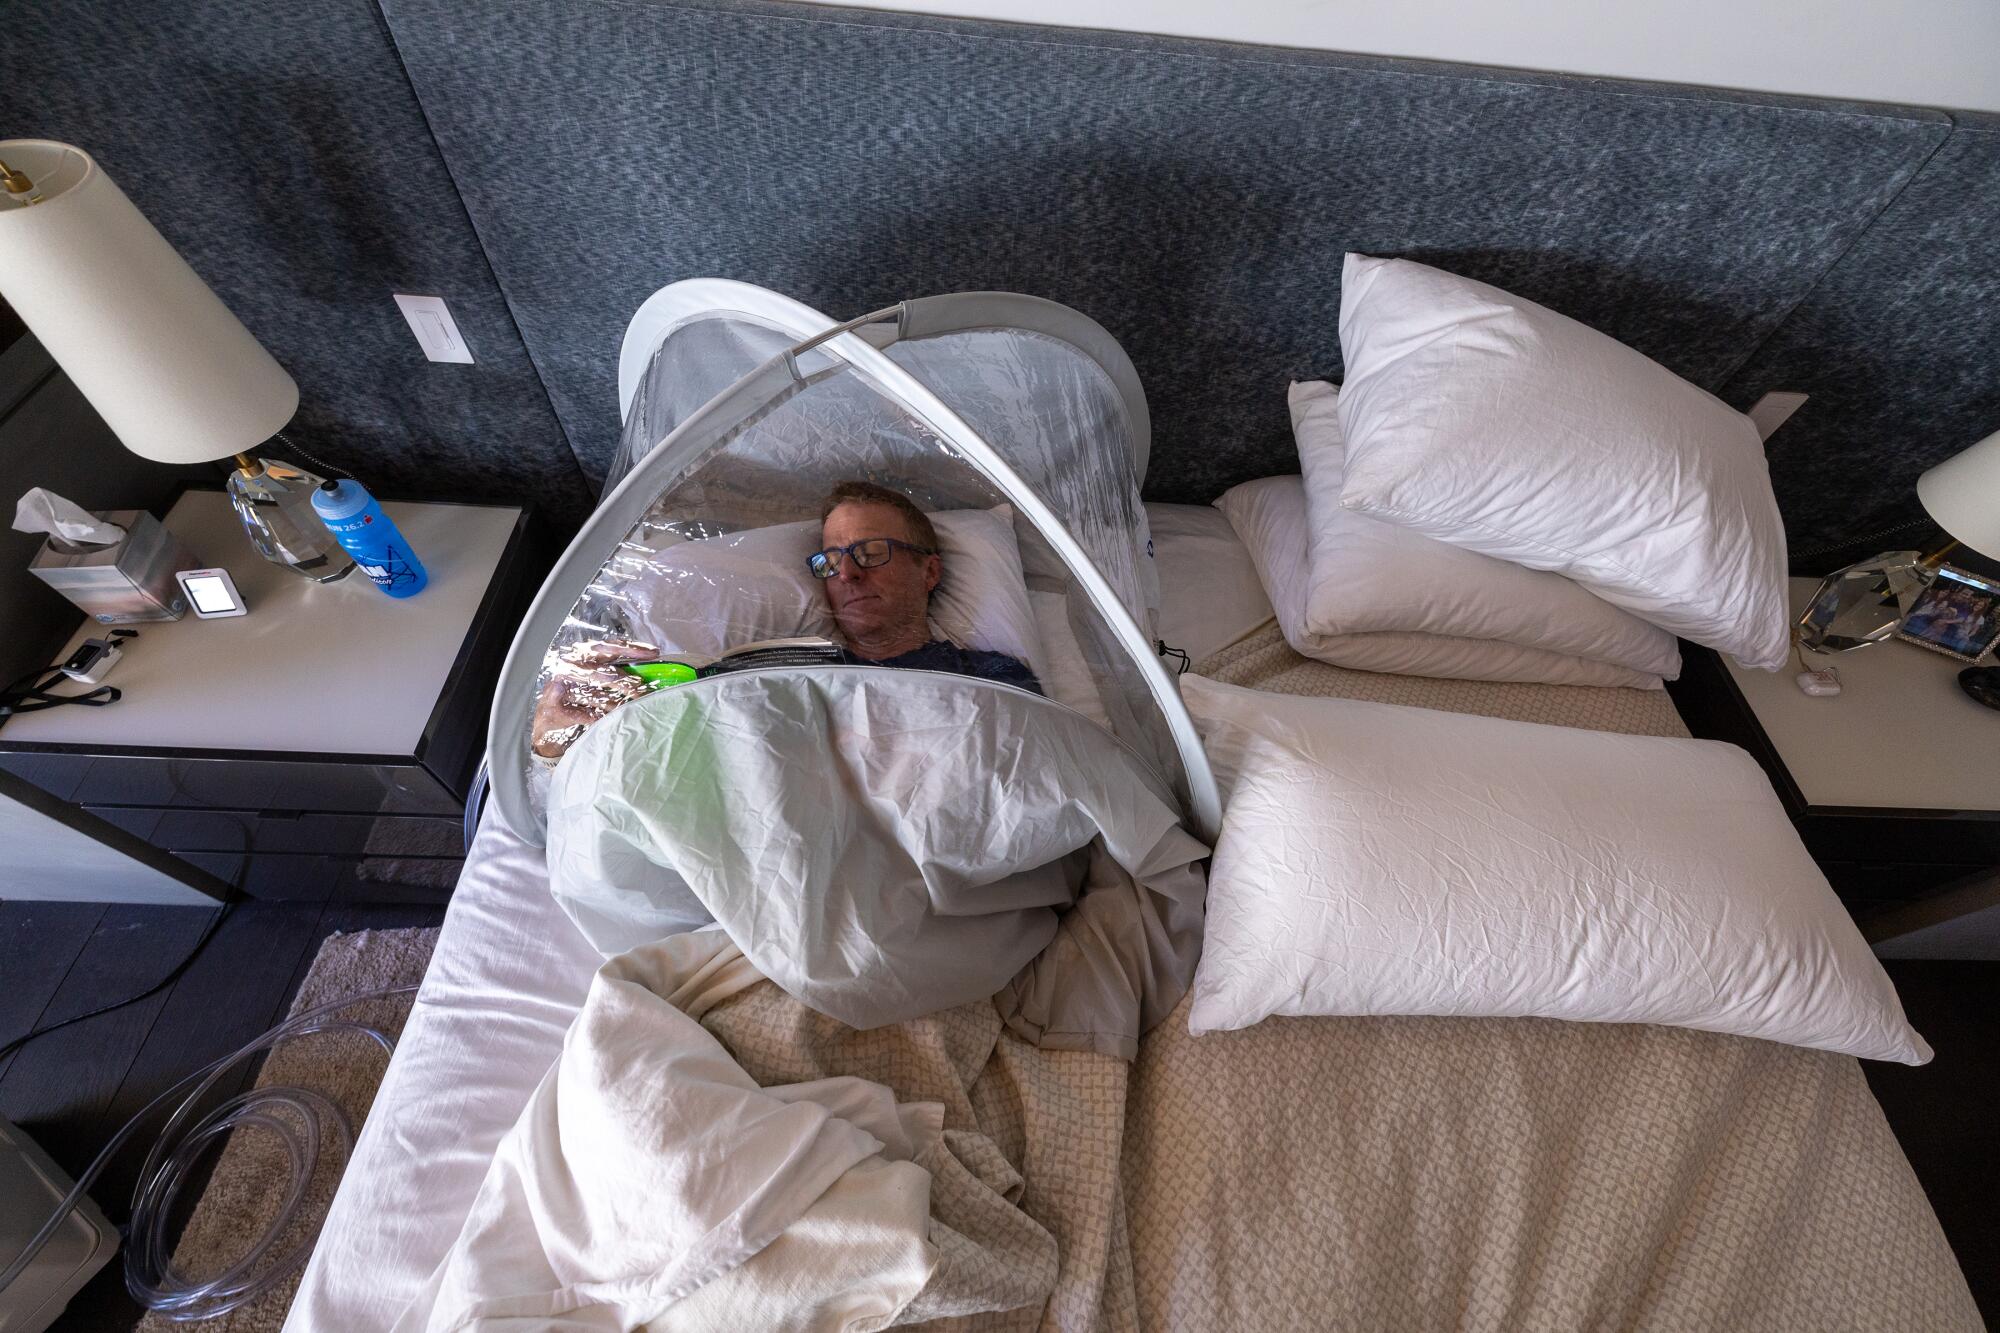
(128, 581)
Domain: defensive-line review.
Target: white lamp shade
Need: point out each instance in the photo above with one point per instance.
(179, 379)
(1963, 495)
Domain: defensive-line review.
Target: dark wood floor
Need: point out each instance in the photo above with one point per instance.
(72, 1089)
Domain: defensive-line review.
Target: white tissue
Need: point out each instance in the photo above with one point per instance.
(45, 511)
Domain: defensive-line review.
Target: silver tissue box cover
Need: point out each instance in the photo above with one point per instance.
(131, 580)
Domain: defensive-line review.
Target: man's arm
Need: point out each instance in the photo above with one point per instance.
(583, 686)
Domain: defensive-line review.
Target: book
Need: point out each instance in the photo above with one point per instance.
(766, 653)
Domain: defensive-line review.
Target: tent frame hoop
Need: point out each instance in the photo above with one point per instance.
(793, 353)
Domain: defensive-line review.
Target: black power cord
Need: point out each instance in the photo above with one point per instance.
(208, 933)
(30, 694)
(326, 469)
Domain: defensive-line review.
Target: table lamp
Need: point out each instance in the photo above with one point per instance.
(169, 368)
(1863, 603)
(1963, 495)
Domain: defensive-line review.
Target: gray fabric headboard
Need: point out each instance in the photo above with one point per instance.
(1194, 197)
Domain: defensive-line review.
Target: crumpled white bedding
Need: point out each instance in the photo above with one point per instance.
(650, 1181)
(886, 844)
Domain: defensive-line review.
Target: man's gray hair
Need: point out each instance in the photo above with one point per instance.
(867, 492)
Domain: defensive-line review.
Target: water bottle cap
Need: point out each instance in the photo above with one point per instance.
(340, 499)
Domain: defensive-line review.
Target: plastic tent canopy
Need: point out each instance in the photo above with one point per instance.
(999, 413)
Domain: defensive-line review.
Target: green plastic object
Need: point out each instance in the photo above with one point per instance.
(659, 675)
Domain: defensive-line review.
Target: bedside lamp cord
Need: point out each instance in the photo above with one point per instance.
(302, 1120)
(325, 469)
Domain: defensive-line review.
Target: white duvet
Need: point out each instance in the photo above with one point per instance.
(884, 844)
(650, 1183)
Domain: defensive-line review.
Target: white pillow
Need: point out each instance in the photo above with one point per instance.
(1067, 679)
(703, 597)
(982, 602)
(1270, 516)
(1386, 860)
(1366, 575)
(1489, 422)
(1210, 595)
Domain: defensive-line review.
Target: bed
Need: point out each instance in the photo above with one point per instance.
(1393, 1171)
(1572, 1176)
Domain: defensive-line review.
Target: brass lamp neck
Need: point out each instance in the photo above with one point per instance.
(14, 182)
(1936, 558)
(247, 465)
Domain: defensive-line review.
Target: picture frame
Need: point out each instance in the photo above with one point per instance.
(1957, 615)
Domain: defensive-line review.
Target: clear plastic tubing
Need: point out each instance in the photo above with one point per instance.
(303, 1121)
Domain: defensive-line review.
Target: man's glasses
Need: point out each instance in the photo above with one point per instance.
(867, 553)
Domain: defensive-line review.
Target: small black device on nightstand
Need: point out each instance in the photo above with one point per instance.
(1982, 683)
(92, 661)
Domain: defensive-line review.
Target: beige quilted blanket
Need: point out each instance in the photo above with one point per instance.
(1054, 1117)
(1439, 1173)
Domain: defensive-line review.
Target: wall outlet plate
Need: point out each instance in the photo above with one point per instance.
(437, 332)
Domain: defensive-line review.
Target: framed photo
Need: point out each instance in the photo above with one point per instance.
(1958, 615)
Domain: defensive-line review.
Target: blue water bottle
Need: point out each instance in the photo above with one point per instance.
(366, 533)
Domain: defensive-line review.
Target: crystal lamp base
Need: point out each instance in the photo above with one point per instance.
(1863, 603)
(274, 500)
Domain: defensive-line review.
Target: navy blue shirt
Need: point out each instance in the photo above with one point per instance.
(938, 655)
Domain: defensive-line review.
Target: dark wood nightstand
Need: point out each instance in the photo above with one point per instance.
(1893, 784)
(322, 746)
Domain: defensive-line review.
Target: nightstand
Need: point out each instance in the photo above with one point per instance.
(1893, 784)
(323, 745)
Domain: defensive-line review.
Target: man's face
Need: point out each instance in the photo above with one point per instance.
(869, 604)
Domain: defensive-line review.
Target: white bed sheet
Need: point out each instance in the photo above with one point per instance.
(510, 972)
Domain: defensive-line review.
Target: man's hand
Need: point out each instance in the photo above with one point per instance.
(584, 685)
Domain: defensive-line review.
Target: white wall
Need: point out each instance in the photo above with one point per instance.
(1941, 53)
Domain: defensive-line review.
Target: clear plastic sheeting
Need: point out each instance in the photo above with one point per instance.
(1040, 404)
(1019, 446)
(693, 362)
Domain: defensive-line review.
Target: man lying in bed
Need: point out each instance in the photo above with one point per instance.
(878, 565)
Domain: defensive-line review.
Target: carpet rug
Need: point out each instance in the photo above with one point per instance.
(251, 1176)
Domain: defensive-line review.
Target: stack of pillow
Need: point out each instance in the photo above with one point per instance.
(1501, 493)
